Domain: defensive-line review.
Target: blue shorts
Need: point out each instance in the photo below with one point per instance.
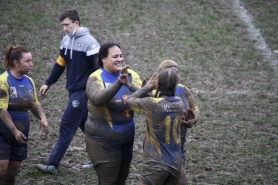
(10, 149)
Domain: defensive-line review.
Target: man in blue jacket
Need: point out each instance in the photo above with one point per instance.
(78, 53)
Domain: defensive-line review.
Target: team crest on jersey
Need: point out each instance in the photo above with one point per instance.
(75, 103)
(125, 113)
(124, 98)
(13, 93)
(107, 84)
(79, 45)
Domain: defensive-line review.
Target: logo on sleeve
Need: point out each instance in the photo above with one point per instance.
(94, 46)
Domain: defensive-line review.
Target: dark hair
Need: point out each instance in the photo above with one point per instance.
(71, 14)
(14, 53)
(104, 51)
(168, 80)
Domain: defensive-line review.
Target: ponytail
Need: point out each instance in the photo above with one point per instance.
(13, 53)
(8, 52)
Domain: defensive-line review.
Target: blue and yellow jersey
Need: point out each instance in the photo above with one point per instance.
(163, 138)
(114, 120)
(17, 95)
(187, 97)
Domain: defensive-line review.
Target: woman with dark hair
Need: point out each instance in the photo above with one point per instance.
(162, 145)
(17, 97)
(109, 130)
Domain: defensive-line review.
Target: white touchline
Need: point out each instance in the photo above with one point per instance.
(260, 44)
(255, 33)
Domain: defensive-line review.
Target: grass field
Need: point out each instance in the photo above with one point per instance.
(234, 80)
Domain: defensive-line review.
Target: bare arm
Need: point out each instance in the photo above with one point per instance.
(38, 112)
(6, 118)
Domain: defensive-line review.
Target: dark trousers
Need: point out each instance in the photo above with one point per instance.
(74, 116)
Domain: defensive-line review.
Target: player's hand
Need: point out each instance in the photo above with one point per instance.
(153, 82)
(144, 82)
(44, 89)
(124, 76)
(187, 124)
(44, 125)
(188, 119)
(19, 136)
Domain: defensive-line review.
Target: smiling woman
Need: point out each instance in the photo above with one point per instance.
(113, 62)
(110, 127)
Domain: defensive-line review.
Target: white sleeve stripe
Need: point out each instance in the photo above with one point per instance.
(92, 51)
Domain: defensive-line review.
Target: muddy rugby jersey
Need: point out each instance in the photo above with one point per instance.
(163, 140)
(186, 95)
(17, 95)
(114, 120)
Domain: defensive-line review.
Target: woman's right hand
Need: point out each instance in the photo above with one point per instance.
(19, 136)
(124, 76)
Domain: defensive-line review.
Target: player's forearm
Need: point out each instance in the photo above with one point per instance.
(7, 120)
(102, 96)
(38, 111)
(132, 87)
(55, 74)
(139, 93)
(197, 116)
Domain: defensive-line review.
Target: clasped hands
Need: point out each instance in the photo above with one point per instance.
(124, 79)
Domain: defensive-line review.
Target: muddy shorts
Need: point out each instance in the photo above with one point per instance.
(9, 147)
(111, 161)
(157, 174)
